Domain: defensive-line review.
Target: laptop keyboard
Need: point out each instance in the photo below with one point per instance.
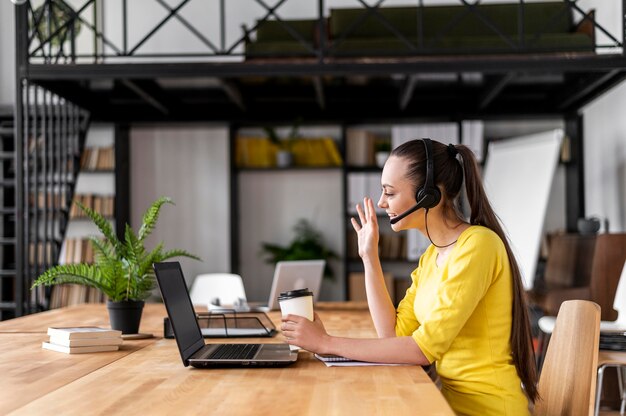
(235, 351)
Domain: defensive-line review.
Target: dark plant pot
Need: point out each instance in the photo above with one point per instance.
(125, 316)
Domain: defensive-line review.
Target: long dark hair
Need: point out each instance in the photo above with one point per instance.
(449, 173)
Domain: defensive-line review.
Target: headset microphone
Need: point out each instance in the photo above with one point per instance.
(420, 204)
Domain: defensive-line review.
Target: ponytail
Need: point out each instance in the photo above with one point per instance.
(481, 213)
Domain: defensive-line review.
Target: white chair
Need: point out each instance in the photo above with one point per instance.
(217, 289)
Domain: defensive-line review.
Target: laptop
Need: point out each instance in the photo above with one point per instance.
(291, 275)
(191, 346)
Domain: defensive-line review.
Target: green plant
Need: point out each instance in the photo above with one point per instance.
(382, 146)
(308, 244)
(122, 269)
(57, 20)
(287, 142)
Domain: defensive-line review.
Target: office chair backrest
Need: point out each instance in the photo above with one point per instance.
(227, 288)
(568, 378)
(619, 303)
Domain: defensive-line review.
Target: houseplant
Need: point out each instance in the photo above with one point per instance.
(308, 244)
(57, 21)
(122, 269)
(382, 148)
(284, 154)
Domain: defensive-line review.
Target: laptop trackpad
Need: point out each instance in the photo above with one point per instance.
(276, 351)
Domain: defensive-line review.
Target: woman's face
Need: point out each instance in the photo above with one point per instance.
(398, 194)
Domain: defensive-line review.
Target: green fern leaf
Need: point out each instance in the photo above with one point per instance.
(177, 253)
(82, 274)
(151, 216)
(102, 223)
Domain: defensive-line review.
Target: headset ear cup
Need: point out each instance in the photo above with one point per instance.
(432, 196)
(429, 194)
(436, 196)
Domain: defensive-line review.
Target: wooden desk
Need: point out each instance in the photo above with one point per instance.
(148, 377)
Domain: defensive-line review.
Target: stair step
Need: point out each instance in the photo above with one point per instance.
(7, 273)
(7, 240)
(7, 183)
(7, 155)
(8, 306)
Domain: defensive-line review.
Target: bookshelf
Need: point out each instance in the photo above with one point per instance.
(96, 189)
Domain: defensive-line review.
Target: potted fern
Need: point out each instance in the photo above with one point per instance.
(122, 269)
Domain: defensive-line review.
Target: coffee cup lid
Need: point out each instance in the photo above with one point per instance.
(294, 294)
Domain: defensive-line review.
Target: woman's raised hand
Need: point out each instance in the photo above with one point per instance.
(367, 230)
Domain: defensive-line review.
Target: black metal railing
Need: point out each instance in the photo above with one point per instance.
(52, 138)
(60, 33)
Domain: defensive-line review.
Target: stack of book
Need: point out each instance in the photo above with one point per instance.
(80, 340)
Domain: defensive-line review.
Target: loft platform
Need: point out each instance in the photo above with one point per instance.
(372, 62)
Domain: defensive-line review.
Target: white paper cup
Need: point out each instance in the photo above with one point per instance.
(296, 302)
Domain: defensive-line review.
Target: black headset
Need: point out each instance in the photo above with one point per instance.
(428, 196)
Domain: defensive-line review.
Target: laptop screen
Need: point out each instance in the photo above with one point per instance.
(296, 274)
(179, 309)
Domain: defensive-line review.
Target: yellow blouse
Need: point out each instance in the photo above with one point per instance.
(460, 316)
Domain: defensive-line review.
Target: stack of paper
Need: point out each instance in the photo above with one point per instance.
(84, 339)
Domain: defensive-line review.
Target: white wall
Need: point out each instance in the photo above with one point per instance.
(270, 204)
(605, 139)
(188, 163)
(7, 53)
(605, 158)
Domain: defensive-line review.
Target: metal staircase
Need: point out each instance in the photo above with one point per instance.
(35, 198)
(8, 215)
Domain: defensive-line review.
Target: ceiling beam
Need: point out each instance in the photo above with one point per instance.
(410, 65)
(148, 91)
(494, 88)
(407, 92)
(233, 92)
(582, 88)
(319, 92)
(74, 92)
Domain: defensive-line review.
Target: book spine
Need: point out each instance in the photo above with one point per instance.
(79, 350)
(85, 342)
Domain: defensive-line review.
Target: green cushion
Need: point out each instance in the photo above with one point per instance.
(545, 17)
(557, 42)
(538, 18)
(402, 18)
(273, 30)
(277, 49)
(464, 31)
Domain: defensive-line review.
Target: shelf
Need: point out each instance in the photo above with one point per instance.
(291, 169)
(97, 171)
(363, 169)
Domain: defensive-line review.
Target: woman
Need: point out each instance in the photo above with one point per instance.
(465, 310)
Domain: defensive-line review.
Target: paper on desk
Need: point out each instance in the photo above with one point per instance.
(353, 363)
